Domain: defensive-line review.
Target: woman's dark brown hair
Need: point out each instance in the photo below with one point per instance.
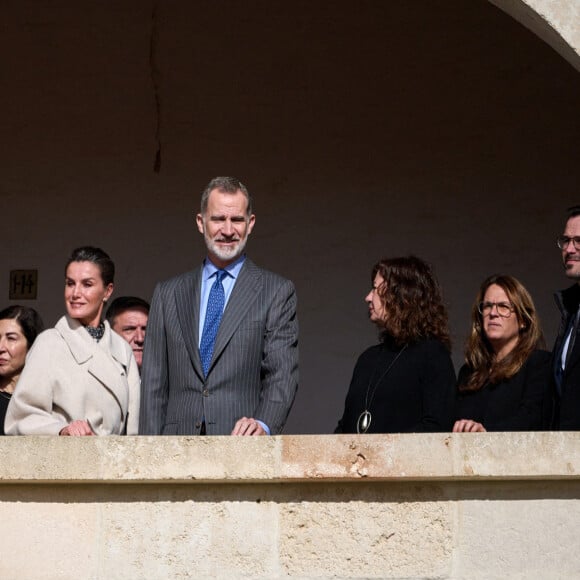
(28, 319)
(412, 301)
(96, 256)
(479, 354)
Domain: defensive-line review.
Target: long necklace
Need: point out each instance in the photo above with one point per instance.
(365, 418)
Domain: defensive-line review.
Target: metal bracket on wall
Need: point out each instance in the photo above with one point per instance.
(23, 285)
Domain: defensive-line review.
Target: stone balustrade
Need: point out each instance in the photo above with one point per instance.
(491, 505)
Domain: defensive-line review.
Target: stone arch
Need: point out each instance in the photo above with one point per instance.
(556, 22)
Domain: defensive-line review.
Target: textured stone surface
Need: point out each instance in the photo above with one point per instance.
(367, 530)
(557, 22)
(517, 531)
(394, 506)
(291, 458)
(129, 459)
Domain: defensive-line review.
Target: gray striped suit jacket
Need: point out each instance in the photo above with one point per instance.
(254, 368)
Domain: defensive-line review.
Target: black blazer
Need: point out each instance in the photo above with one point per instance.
(415, 395)
(567, 402)
(522, 403)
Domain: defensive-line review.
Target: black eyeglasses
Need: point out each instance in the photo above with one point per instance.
(504, 309)
(563, 242)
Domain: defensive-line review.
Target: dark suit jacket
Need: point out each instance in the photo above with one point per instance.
(522, 403)
(416, 394)
(254, 368)
(567, 399)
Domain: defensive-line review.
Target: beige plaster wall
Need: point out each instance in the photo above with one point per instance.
(557, 22)
(448, 130)
(393, 506)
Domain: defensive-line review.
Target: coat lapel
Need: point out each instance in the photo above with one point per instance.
(244, 293)
(103, 368)
(100, 357)
(187, 297)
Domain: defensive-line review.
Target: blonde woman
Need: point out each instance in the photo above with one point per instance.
(504, 384)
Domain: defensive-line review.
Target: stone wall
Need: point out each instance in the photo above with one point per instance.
(393, 506)
(557, 22)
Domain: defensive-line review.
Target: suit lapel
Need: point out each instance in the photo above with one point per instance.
(244, 293)
(187, 297)
(567, 302)
(573, 357)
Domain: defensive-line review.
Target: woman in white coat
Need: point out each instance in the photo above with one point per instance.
(80, 377)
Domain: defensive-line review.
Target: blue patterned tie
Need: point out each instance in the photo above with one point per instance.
(213, 316)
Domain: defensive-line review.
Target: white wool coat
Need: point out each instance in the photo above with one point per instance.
(70, 376)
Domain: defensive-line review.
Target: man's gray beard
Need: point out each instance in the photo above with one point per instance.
(226, 254)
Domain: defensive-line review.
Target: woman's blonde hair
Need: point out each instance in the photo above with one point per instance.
(479, 354)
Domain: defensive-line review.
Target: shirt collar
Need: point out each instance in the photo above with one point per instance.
(233, 269)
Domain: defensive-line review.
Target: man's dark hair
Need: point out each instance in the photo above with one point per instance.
(122, 303)
(572, 211)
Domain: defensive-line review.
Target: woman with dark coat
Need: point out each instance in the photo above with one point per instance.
(504, 384)
(406, 382)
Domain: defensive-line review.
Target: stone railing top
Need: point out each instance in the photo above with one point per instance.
(290, 458)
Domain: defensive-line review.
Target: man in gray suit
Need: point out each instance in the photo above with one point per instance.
(221, 354)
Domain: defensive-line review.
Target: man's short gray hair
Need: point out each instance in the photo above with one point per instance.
(225, 185)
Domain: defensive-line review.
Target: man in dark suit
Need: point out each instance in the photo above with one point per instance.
(566, 353)
(221, 355)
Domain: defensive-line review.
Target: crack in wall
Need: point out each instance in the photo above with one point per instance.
(155, 82)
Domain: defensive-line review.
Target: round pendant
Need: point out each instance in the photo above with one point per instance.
(364, 422)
